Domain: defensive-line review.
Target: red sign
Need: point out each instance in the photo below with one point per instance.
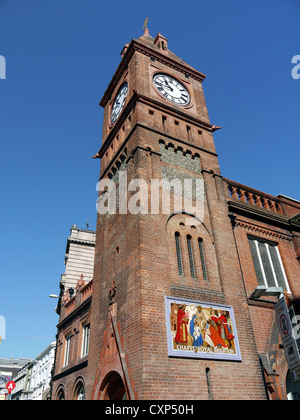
(284, 324)
(10, 386)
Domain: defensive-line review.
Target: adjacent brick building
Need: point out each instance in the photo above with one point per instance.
(148, 262)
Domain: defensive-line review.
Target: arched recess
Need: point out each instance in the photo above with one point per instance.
(60, 393)
(191, 221)
(79, 389)
(197, 248)
(113, 374)
(112, 388)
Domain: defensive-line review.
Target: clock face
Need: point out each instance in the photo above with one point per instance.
(171, 89)
(119, 102)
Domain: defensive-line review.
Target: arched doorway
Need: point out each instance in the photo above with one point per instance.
(60, 394)
(113, 388)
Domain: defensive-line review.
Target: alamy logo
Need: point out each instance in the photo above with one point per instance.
(141, 197)
(2, 328)
(296, 327)
(296, 68)
(2, 67)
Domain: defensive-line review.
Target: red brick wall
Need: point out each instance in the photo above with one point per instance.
(145, 270)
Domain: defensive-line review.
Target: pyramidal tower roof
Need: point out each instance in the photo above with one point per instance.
(156, 47)
(160, 45)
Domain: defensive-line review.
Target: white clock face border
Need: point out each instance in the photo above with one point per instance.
(119, 103)
(171, 89)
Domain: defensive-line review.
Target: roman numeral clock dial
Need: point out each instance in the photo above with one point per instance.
(171, 89)
(119, 102)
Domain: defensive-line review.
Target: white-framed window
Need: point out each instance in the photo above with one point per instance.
(85, 339)
(67, 349)
(267, 263)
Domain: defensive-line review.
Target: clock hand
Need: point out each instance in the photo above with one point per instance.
(167, 86)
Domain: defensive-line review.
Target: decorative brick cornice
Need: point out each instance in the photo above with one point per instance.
(87, 290)
(165, 135)
(170, 62)
(136, 46)
(262, 230)
(254, 211)
(165, 107)
(137, 97)
(73, 312)
(295, 220)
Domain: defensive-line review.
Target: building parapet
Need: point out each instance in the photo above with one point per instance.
(254, 197)
(74, 298)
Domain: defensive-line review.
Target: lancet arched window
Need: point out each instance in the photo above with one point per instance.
(178, 253)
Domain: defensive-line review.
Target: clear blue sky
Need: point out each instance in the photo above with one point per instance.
(61, 55)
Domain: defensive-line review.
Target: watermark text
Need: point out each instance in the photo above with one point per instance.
(156, 196)
(2, 327)
(2, 67)
(296, 68)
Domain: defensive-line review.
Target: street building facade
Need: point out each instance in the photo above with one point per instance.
(33, 381)
(73, 308)
(9, 368)
(79, 257)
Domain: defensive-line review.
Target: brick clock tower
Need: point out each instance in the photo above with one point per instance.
(169, 315)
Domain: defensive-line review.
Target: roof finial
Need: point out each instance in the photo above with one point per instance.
(146, 30)
(87, 225)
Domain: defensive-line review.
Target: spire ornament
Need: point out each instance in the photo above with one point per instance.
(146, 30)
